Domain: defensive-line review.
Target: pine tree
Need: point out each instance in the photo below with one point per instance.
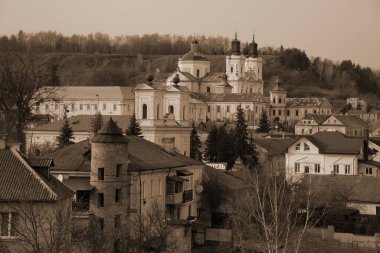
(96, 123)
(264, 126)
(54, 78)
(66, 135)
(195, 145)
(242, 146)
(225, 147)
(211, 152)
(134, 126)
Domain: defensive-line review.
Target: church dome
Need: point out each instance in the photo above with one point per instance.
(235, 46)
(194, 54)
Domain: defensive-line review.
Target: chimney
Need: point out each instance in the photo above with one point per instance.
(168, 144)
(3, 141)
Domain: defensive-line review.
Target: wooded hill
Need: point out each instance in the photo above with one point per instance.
(98, 59)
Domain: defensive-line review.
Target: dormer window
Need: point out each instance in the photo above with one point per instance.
(306, 147)
(298, 146)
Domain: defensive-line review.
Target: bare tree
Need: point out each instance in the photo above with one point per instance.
(42, 228)
(22, 85)
(272, 215)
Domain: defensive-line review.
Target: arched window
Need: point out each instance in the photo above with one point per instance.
(145, 111)
(158, 111)
(171, 109)
(183, 113)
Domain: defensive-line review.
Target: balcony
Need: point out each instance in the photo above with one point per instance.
(175, 198)
(188, 195)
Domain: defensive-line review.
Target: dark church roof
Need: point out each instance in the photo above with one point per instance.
(110, 133)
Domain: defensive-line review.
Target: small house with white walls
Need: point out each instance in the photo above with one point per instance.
(325, 153)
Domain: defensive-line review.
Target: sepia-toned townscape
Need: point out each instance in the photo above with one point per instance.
(182, 142)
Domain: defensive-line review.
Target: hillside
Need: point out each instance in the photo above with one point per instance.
(116, 69)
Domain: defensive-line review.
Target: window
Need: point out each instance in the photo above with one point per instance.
(160, 187)
(47, 107)
(118, 170)
(101, 223)
(81, 107)
(302, 131)
(72, 107)
(145, 111)
(315, 111)
(250, 90)
(189, 210)
(274, 100)
(158, 111)
(297, 167)
(96, 107)
(279, 100)
(287, 112)
(310, 131)
(317, 168)
(104, 107)
(306, 147)
(100, 173)
(336, 168)
(184, 112)
(88, 107)
(368, 171)
(274, 112)
(296, 112)
(117, 195)
(100, 199)
(228, 108)
(208, 89)
(208, 108)
(307, 169)
(347, 169)
(198, 73)
(171, 109)
(117, 220)
(114, 107)
(218, 108)
(8, 224)
(232, 69)
(298, 146)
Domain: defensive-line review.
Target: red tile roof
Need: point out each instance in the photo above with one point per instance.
(20, 182)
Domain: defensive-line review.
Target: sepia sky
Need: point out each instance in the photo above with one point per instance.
(336, 29)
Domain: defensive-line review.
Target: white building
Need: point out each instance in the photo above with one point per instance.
(349, 125)
(324, 153)
(87, 100)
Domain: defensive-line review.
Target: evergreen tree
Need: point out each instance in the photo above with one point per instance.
(66, 135)
(54, 78)
(134, 126)
(195, 145)
(225, 147)
(264, 126)
(96, 123)
(211, 152)
(243, 147)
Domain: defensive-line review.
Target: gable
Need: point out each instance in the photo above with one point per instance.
(303, 145)
(143, 86)
(332, 120)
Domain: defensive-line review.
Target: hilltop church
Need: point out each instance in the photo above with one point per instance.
(166, 108)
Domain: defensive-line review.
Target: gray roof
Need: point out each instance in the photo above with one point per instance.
(110, 133)
(319, 119)
(82, 123)
(308, 102)
(350, 121)
(275, 146)
(228, 97)
(335, 143)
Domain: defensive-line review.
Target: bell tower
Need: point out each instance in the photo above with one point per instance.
(235, 68)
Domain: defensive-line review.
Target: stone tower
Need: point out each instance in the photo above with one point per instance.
(235, 65)
(277, 98)
(254, 63)
(109, 200)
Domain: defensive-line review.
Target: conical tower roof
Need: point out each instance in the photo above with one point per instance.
(110, 133)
